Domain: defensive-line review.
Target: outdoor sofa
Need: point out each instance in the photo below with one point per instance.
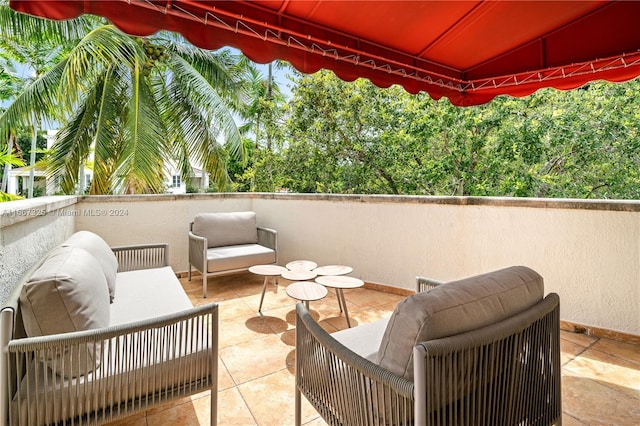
(223, 243)
(93, 334)
(482, 350)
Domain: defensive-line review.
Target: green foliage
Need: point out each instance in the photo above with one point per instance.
(356, 138)
(135, 103)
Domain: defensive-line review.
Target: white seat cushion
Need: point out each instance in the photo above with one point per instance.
(238, 257)
(364, 339)
(136, 289)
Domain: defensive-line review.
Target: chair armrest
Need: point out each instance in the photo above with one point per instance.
(268, 237)
(424, 284)
(516, 361)
(141, 256)
(198, 251)
(341, 385)
(150, 347)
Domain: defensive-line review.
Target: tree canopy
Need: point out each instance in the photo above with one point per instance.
(356, 138)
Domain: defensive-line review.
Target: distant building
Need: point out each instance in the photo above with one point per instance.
(174, 182)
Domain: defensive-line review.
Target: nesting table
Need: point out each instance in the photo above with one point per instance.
(301, 272)
(273, 271)
(306, 291)
(340, 282)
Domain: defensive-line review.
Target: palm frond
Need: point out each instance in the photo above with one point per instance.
(106, 134)
(72, 143)
(100, 49)
(39, 30)
(39, 100)
(195, 87)
(140, 168)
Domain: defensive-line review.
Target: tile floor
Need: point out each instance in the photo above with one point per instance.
(600, 386)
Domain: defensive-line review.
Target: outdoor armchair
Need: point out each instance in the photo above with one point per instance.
(222, 243)
(483, 350)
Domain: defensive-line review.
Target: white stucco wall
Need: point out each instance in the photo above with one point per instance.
(587, 252)
(28, 230)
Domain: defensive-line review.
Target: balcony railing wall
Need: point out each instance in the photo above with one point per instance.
(587, 251)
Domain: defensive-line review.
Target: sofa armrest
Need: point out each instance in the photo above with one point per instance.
(341, 385)
(141, 256)
(146, 348)
(424, 284)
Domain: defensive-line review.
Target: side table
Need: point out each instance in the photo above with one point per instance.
(306, 291)
(340, 282)
(268, 271)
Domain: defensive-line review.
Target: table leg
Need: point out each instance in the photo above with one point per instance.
(344, 305)
(339, 300)
(264, 288)
(306, 304)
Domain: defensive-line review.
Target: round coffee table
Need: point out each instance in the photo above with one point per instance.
(306, 291)
(339, 283)
(268, 271)
(298, 274)
(305, 265)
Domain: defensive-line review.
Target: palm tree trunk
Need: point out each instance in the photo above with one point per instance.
(32, 159)
(7, 167)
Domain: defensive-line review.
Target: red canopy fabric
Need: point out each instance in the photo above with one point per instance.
(468, 51)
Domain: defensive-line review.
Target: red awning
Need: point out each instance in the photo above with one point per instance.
(468, 51)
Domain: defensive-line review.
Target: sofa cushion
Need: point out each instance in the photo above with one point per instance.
(99, 249)
(226, 229)
(455, 308)
(66, 293)
(238, 257)
(147, 293)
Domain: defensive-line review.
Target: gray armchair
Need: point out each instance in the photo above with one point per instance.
(222, 243)
(483, 350)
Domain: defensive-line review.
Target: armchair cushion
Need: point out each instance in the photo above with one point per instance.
(226, 229)
(101, 251)
(238, 257)
(455, 308)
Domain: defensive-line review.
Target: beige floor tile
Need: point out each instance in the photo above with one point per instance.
(232, 409)
(240, 330)
(368, 297)
(569, 350)
(577, 338)
(271, 400)
(192, 412)
(567, 420)
(139, 419)
(616, 373)
(623, 350)
(225, 381)
(254, 359)
(235, 308)
(596, 404)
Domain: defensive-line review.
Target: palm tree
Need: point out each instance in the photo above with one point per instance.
(135, 103)
(262, 110)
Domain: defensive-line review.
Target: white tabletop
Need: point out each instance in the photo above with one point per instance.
(305, 265)
(339, 281)
(333, 270)
(306, 291)
(269, 270)
(299, 275)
